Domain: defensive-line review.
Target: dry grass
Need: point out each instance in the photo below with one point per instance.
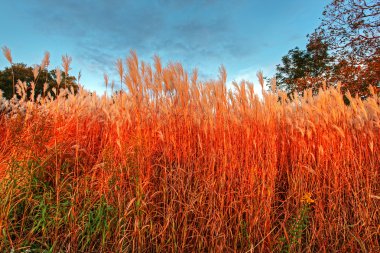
(178, 165)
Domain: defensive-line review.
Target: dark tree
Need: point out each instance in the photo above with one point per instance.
(303, 69)
(25, 74)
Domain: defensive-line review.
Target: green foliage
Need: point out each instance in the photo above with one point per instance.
(41, 207)
(24, 73)
(32, 210)
(299, 65)
(296, 228)
(97, 220)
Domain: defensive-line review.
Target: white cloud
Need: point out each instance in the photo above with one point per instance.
(250, 74)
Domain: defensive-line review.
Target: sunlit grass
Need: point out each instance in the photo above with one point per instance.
(175, 164)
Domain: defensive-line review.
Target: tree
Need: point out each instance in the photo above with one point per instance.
(352, 28)
(345, 47)
(25, 74)
(357, 78)
(303, 69)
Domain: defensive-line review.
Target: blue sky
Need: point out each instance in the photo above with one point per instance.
(245, 36)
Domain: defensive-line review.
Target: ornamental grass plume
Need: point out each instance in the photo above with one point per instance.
(8, 55)
(260, 76)
(36, 70)
(120, 70)
(45, 61)
(66, 61)
(45, 64)
(105, 76)
(58, 76)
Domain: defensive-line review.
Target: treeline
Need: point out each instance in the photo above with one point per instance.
(345, 48)
(38, 78)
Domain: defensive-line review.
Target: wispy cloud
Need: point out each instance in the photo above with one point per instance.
(197, 33)
(117, 26)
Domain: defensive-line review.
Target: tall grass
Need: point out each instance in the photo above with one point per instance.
(178, 165)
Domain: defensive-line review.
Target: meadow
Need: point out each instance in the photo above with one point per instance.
(176, 164)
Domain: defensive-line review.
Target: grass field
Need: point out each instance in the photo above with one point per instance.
(180, 165)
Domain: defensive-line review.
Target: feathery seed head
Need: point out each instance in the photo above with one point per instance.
(157, 64)
(36, 69)
(58, 76)
(260, 76)
(66, 61)
(106, 79)
(45, 61)
(120, 68)
(223, 74)
(7, 54)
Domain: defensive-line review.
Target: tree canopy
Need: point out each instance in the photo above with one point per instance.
(352, 28)
(303, 69)
(345, 48)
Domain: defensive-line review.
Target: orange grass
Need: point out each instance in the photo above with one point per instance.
(179, 165)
